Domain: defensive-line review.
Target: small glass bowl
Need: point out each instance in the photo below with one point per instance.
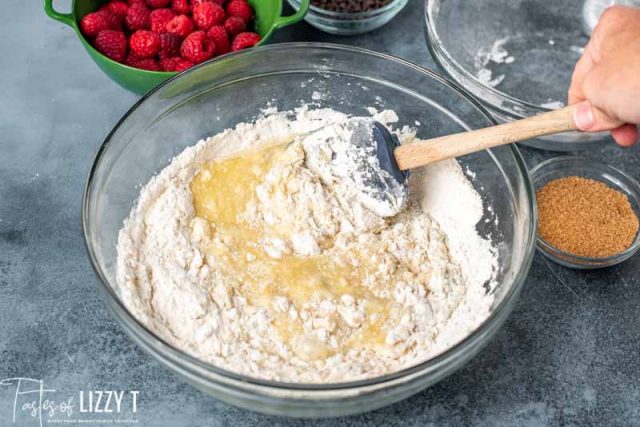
(566, 166)
(347, 23)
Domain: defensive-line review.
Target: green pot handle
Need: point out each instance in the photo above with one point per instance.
(283, 21)
(65, 18)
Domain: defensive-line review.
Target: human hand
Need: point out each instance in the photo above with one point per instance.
(606, 79)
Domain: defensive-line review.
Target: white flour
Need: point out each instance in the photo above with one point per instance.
(498, 55)
(351, 159)
(426, 267)
(553, 105)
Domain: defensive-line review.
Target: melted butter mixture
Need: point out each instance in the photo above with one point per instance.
(221, 191)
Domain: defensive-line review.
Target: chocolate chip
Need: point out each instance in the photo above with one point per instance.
(350, 6)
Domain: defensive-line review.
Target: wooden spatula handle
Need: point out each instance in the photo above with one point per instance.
(421, 153)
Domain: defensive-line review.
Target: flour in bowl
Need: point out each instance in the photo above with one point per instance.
(241, 255)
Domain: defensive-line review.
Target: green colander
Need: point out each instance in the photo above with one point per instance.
(268, 19)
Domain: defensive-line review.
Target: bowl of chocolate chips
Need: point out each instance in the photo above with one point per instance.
(350, 17)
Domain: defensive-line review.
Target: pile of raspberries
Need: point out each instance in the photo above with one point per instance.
(169, 35)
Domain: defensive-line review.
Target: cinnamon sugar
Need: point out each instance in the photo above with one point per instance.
(585, 217)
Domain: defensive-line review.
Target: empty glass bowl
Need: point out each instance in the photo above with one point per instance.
(235, 88)
(348, 24)
(516, 56)
(566, 166)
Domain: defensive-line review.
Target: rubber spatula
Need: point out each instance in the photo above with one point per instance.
(421, 153)
(395, 160)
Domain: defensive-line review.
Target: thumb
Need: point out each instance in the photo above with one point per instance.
(591, 119)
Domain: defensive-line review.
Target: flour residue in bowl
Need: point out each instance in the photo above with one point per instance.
(492, 66)
(496, 54)
(257, 265)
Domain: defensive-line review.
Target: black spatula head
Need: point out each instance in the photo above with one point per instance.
(386, 142)
(359, 152)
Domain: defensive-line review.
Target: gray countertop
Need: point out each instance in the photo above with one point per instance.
(568, 355)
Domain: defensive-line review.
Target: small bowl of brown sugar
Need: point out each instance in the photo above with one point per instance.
(587, 212)
(350, 17)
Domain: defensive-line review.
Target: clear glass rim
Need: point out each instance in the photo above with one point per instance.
(582, 261)
(184, 358)
(440, 53)
(351, 15)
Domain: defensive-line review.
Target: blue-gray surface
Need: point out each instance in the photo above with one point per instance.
(568, 354)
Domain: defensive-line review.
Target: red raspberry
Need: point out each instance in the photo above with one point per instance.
(182, 64)
(137, 2)
(197, 47)
(144, 44)
(175, 64)
(116, 21)
(93, 23)
(167, 64)
(245, 40)
(220, 38)
(138, 18)
(142, 63)
(157, 4)
(181, 26)
(181, 7)
(206, 15)
(112, 44)
(195, 3)
(234, 26)
(117, 8)
(131, 58)
(160, 18)
(169, 45)
(241, 9)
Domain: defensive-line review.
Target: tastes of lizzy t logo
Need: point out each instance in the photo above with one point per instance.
(34, 402)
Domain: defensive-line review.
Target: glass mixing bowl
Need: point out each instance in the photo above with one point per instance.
(516, 56)
(216, 95)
